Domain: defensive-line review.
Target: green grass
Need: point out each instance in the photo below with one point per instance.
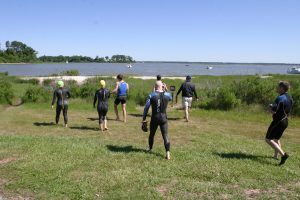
(217, 155)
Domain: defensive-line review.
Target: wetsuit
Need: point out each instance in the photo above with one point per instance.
(102, 96)
(282, 107)
(121, 93)
(159, 103)
(62, 95)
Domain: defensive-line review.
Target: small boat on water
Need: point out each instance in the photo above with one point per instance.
(129, 65)
(209, 67)
(294, 70)
(67, 62)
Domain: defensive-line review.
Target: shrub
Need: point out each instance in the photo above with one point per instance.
(47, 82)
(32, 81)
(255, 90)
(36, 94)
(71, 72)
(3, 73)
(87, 91)
(6, 92)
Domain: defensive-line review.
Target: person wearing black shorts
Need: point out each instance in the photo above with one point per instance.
(102, 95)
(280, 111)
(158, 100)
(121, 90)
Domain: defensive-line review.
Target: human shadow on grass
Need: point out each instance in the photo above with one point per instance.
(129, 149)
(243, 156)
(44, 123)
(97, 119)
(84, 128)
(141, 115)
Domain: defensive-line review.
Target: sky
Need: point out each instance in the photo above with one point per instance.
(157, 30)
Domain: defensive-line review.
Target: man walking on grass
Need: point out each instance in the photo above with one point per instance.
(188, 90)
(121, 90)
(280, 110)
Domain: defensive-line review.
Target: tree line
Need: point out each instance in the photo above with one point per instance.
(18, 52)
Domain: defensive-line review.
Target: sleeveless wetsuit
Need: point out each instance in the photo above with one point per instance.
(62, 95)
(102, 96)
(122, 93)
(282, 107)
(159, 103)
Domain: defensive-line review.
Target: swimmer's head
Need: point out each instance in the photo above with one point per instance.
(102, 84)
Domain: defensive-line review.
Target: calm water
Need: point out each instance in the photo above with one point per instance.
(145, 69)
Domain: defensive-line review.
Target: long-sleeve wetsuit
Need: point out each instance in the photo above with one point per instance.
(159, 103)
(62, 95)
(102, 96)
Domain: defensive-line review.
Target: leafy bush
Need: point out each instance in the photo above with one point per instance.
(71, 72)
(32, 81)
(47, 82)
(36, 94)
(255, 90)
(221, 98)
(6, 92)
(3, 73)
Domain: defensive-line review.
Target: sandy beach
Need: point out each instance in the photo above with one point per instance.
(82, 79)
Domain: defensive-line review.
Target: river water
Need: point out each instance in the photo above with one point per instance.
(145, 69)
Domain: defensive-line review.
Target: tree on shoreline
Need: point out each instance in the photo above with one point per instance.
(18, 52)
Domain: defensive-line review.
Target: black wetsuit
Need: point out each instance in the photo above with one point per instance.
(159, 103)
(282, 107)
(102, 95)
(62, 95)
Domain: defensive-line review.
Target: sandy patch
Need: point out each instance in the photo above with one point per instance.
(7, 160)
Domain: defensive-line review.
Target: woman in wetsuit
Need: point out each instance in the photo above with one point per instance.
(102, 95)
(62, 95)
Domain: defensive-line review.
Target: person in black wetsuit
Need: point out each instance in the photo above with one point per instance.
(62, 95)
(280, 111)
(102, 95)
(158, 100)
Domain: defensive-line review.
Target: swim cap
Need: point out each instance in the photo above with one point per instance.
(60, 83)
(102, 83)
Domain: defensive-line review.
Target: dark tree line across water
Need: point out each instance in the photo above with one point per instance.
(18, 52)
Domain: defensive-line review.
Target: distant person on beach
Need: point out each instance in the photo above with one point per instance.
(164, 86)
(62, 95)
(280, 110)
(121, 90)
(158, 100)
(102, 95)
(188, 91)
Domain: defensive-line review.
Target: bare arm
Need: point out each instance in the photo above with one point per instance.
(116, 88)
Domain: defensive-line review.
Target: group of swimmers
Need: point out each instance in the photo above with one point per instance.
(159, 99)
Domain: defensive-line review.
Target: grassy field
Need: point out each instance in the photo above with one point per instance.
(217, 155)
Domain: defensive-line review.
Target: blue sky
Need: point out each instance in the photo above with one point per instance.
(160, 30)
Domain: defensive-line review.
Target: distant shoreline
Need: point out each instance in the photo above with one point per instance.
(179, 62)
(82, 79)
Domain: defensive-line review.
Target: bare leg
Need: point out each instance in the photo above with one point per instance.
(116, 111)
(186, 112)
(124, 112)
(276, 152)
(275, 146)
(105, 124)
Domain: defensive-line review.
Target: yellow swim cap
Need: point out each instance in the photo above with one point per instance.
(102, 83)
(60, 83)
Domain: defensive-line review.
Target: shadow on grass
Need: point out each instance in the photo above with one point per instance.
(244, 156)
(84, 128)
(141, 115)
(97, 119)
(44, 123)
(129, 149)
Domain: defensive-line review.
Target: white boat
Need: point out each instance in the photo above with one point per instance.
(293, 70)
(129, 65)
(67, 62)
(209, 67)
